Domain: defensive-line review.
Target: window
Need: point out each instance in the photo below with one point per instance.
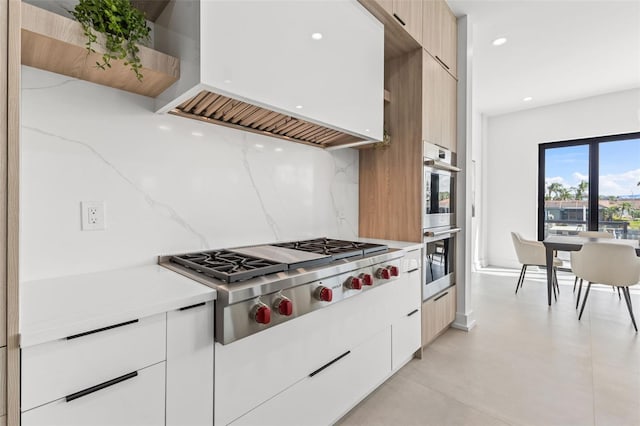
(590, 184)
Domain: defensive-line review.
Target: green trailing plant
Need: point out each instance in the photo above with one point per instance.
(123, 26)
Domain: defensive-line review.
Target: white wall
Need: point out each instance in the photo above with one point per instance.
(170, 184)
(511, 160)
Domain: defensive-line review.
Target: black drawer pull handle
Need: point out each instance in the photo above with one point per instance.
(399, 19)
(413, 270)
(98, 330)
(412, 312)
(441, 296)
(442, 62)
(192, 306)
(329, 363)
(101, 386)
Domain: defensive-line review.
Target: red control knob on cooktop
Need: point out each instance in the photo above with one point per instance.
(383, 273)
(354, 283)
(261, 313)
(324, 294)
(367, 279)
(394, 271)
(284, 306)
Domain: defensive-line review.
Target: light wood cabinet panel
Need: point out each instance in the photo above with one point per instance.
(3, 421)
(429, 322)
(3, 300)
(440, 33)
(449, 39)
(409, 12)
(437, 314)
(449, 100)
(387, 212)
(439, 104)
(3, 381)
(431, 26)
(432, 107)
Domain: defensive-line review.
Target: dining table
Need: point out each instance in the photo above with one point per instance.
(574, 243)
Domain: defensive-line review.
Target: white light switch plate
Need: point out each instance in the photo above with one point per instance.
(93, 216)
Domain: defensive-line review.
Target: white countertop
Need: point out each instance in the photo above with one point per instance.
(403, 245)
(54, 308)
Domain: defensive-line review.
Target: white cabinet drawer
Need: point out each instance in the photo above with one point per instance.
(405, 338)
(55, 369)
(327, 395)
(136, 401)
(190, 366)
(250, 371)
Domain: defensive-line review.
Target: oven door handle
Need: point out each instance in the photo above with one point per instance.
(441, 165)
(437, 234)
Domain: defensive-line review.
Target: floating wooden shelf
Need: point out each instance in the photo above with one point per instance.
(54, 43)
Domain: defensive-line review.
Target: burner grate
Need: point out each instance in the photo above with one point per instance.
(338, 249)
(228, 266)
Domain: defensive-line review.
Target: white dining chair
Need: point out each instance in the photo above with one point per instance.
(533, 253)
(611, 264)
(591, 234)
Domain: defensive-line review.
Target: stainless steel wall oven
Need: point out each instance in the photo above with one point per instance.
(439, 187)
(439, 260)
(439, 219)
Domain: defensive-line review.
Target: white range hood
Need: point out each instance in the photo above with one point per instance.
(306, 71)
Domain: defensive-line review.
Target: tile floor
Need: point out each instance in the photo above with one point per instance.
(523, 364)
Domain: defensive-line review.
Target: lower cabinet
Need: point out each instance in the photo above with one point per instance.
(62, 367)
(437, 314)
(155, 371)
(136, 400)
(329, 391)
(405, 330)
(190, 366)
(316, 368)
(405, 338)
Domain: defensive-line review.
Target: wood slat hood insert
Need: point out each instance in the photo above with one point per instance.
(218, 109)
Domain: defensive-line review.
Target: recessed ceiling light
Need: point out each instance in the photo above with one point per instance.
(227, 81)
(367, 130)
(278, 149)
(499, 41)
(298, 106)
(527, 99)
(316, 36)
(163, 127)
(197, 133)
(259, 145)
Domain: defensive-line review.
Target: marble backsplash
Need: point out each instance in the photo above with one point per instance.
(169, 184)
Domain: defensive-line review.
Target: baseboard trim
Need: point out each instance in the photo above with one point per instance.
(464, 322)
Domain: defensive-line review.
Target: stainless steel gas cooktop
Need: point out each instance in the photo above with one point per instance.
(264, 285)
